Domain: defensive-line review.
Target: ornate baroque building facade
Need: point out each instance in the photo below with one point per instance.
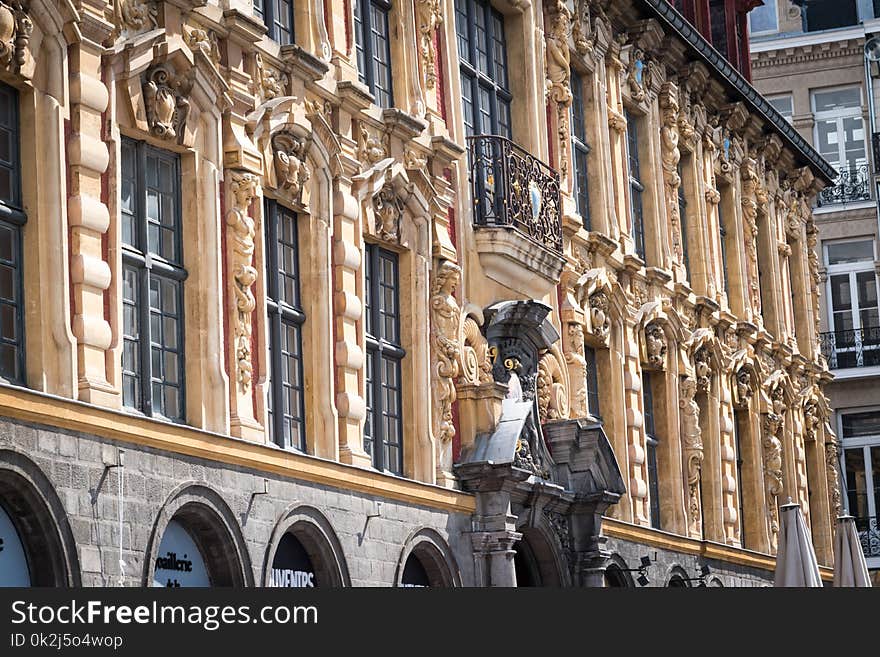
(811, 63)
(369, 292)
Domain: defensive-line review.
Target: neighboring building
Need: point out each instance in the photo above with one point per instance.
(810, 62)
(370, 292)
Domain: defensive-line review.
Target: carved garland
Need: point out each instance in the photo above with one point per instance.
(244, 188)
(430, 17)
(655, 345)
(551, 390)
(446, 345)
(671, 155)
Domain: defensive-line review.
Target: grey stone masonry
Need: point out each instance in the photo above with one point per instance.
(373, 534)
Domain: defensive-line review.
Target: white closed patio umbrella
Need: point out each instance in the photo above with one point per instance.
(850, 567)
(796, 563)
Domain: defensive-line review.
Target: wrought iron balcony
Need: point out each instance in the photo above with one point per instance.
(853, 184)
(869, 536)
(514, 189)
(858, 348)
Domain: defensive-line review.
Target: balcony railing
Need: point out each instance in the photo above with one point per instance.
(869, 536)
(514, 189)
(858, 348)
(853, 184)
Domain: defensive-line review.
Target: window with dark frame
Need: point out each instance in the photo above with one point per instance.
(373, 48)
(580, 149)
(652, 442)
(277, 16)
(286, 318)
(592, 382)
(682, 219)
(636, 187)
(152, 282)
(12, 218)
(482, 54)
(383, 431)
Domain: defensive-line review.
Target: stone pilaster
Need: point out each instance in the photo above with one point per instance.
(89, 218)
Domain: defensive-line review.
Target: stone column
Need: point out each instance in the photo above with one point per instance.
(638, 465)
(88, 159)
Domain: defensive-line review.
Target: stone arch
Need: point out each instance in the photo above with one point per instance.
(435, 556)
(539, 556)
(312, 529)
(39, 518)
(677, 577)
(213, 527)
(617, 573)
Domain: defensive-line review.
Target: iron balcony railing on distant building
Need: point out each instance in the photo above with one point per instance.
(514, 189)
(857, 348)
(869, 536)
(852, 185)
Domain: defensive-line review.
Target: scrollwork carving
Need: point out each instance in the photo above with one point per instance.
(552, 394)
(165, 97)
(476, 366)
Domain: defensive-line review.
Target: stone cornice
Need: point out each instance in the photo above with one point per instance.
(65, 414)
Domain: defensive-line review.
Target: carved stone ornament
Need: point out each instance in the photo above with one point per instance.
(370, 148)
(132, 16)
(671, 155)
(692, 444)
(429, 14)
(269, 83)
(575, 357)
(637, 74)
(205, 42)
(552, 393)
(244, 189)
(291, 171)
(559, 523)
(446, 346)
(812, 419)
(772, 453)
(743, 388)
(703, 369)
(600, 322)
(750, 184)
(165, 97)
(655, 345)
(559, 77)
(832, 461)
(476, 366)
(388, 209)
(583, 32)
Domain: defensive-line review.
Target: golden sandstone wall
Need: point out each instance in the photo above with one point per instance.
(252, 120)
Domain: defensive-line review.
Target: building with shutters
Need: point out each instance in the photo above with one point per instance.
(402, 293)
(810, 60)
